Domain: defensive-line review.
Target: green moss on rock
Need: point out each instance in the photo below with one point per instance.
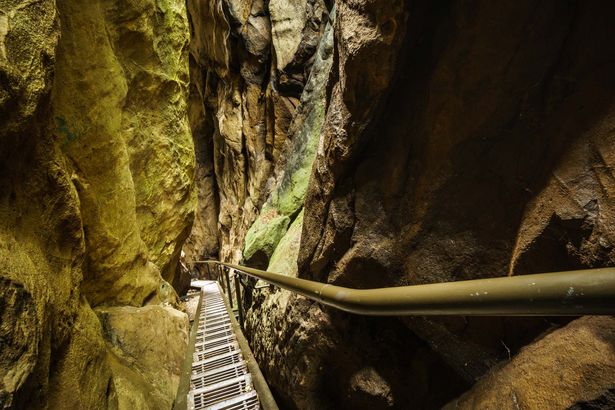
(284, 258)
(264, 235)
(288, 195)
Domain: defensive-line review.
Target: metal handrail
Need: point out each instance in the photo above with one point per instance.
(571, 293)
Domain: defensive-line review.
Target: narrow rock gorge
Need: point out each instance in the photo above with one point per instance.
(359, 143)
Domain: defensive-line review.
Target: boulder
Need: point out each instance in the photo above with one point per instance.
(147, 348)
(564, 369)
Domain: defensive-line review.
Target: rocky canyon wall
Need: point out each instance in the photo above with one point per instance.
(96, 199)
(249, 64)
(366, 145)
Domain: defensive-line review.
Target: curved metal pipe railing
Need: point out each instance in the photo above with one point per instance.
(572, 293)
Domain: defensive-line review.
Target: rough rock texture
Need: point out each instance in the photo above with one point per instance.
(249, 64)
(458, 141)
(147, 348)
(96, 196)
(504, 110)
(571, 365)
(291, 175)
(29, 277)
(127, 106)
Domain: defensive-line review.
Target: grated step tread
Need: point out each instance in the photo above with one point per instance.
(220, 379)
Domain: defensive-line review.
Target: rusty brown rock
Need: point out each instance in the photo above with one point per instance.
(571, 365)
(461, 141)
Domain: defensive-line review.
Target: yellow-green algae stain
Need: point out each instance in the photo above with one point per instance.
(286, 199)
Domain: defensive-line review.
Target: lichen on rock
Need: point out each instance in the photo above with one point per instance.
(249, 100)
(264, 235)
(128, 141)
(292, 173)
(96, 198)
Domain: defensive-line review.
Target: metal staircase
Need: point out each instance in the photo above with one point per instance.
(220, 378)
(220, 372)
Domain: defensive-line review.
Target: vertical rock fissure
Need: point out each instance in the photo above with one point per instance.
(343, 141)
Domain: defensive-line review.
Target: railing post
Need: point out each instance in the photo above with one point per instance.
(219, 277)
(228, 287)
(239, 301)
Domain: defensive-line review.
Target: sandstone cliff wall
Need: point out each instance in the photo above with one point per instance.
(96, 199)
(249, 64)
(457, 141)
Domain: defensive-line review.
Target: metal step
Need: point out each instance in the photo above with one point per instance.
(218, 374)
(220, 379)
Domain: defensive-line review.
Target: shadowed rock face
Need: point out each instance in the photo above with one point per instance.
(96, 198)
(458, 141)
(250, 63)
(498, 167)
(583, 355)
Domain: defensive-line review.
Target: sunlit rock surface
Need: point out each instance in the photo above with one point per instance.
(96, 197)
